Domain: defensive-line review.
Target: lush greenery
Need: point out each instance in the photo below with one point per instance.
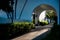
(16, 27)
(43, 23)
(21, 27)
(54, 33)
(51, 14)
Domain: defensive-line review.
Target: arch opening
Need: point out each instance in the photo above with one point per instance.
(44, 14)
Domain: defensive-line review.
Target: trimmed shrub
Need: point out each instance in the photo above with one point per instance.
(21, 27)
(44, 23)
(15, 28)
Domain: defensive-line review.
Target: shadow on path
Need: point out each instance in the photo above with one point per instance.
(41, 36)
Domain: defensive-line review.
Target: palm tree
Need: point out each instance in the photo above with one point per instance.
(12, 2)
(15, 7)
(7, 6)
(23, 8)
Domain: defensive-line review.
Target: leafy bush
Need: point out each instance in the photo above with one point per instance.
(44, 23)
(21, 27)
(15, 28)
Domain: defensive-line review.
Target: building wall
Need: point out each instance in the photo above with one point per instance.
(32, 4)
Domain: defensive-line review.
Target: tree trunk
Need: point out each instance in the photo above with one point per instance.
(12, 11)
(7, 15)
(15, 7)
(23, 8)
(12, 17)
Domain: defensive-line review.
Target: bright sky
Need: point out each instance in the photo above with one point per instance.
(42, 16)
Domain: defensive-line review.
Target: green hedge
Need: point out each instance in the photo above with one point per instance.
(44, 23)
(16, 27)
(21, 27)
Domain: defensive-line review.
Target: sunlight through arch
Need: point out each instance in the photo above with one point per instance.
(40, 14)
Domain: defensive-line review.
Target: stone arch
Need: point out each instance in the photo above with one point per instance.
(37, 10)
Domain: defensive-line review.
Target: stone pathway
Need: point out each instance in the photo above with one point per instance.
(35, 33)
(31, 35)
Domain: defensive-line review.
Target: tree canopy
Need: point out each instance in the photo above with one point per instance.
(50, 14)
(5, 5)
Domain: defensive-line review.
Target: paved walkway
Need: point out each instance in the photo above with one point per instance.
(34, 33)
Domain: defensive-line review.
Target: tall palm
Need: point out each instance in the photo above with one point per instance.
(12, 2)
(23, 8)
(15, 7)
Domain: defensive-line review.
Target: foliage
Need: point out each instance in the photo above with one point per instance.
(7, 6)
(15, 28)
(21, 27)
(4, 5)
(43, 23)
(50, 14)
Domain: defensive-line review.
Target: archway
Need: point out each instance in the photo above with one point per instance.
(39, 9)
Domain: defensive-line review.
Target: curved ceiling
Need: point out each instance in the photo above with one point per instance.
(42, 7)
